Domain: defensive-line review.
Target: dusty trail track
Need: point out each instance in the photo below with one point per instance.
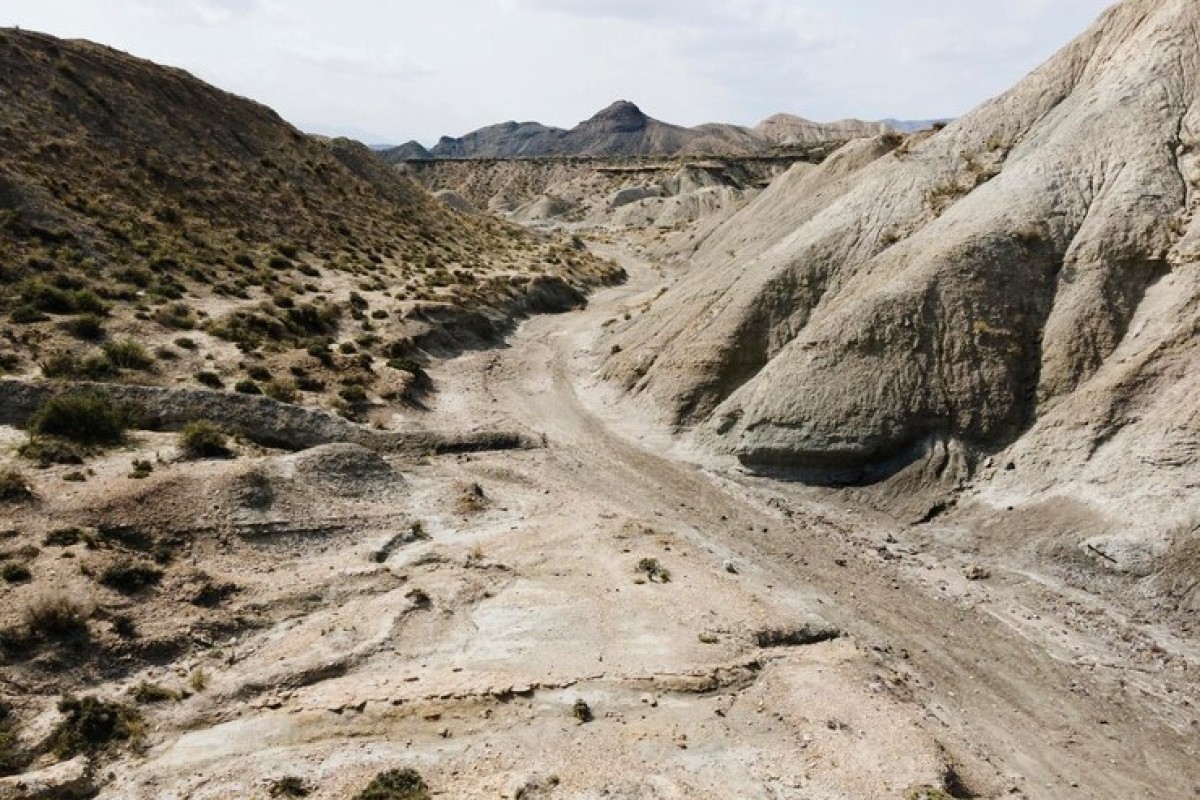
(1012, 708)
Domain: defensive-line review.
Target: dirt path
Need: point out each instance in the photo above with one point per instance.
(1014, 709)
(453, 615)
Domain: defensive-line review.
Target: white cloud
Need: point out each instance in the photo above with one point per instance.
(421, 69)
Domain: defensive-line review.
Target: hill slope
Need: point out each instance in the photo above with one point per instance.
(1030, 271)
(150, 203)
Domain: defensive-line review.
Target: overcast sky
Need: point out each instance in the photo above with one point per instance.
(392, 71)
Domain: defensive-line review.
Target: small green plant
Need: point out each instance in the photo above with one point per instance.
(582, 711)
(69, 366)
(396, 784)
(128, 354)
(56, 616)
(212, 593)
(247, 387)
(198, 680)
(12, 759)
(148, 693)
(64, 537)
(186, 343)
(654, 571)
(927, 793)
(210, 379)
(91, 725)
(89, 327)
(140, 468)
(177, 316)
(124, 625)
(130, 577)
(281, 391)
(289, 786)
(354, 394)
(203, 439)
(87, 418)
(49, 451)
(15, 573)
(14, 486)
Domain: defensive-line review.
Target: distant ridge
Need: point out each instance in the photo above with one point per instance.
(624, 130)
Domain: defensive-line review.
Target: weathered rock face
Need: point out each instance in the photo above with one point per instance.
(624, 130)
(965, 285)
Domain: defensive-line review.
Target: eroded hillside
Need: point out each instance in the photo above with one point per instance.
(156, 230)
(1028, 275)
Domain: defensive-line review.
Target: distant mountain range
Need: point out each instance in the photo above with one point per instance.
(623, 130)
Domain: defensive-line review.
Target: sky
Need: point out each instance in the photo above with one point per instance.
(387, 72)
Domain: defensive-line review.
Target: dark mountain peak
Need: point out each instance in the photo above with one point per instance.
(620, 117)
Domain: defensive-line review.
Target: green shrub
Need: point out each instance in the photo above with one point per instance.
(56, 616)
(354, 394)
(186, 343)
(210, 379)
(66, 537)
(15, 573)
(128, 354)
(397, 784)
(141, 468)
(289, 786)
(247, 387)
(49, 299)
(654, 571)
(147, 693)
(177, 316)
(92, 725)
(14, 486)
(69, 366)
(49, 451)
(89, 327)
(25, 315)
(320, 351)
(202, 439)
(130, 577)
(87, 418)
(281, 391)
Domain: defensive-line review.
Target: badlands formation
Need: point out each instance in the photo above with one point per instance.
(866, 469)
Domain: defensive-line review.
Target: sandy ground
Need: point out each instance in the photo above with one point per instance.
(464, 654)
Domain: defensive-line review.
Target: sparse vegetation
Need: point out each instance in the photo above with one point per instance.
(203, 439)
(12, 758)
(128, 354)
(14, 486)
(140, 468)
(471, 499)
(87, 418)
(56, 616)
(582, 711)
(130, 577)
(89, 327)
(68, 537)
(49, 451)
(13, 572)
(92, 725)
(397, 784)
(149, 693)
(210, 379)
(654, 571)
(290, 786)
